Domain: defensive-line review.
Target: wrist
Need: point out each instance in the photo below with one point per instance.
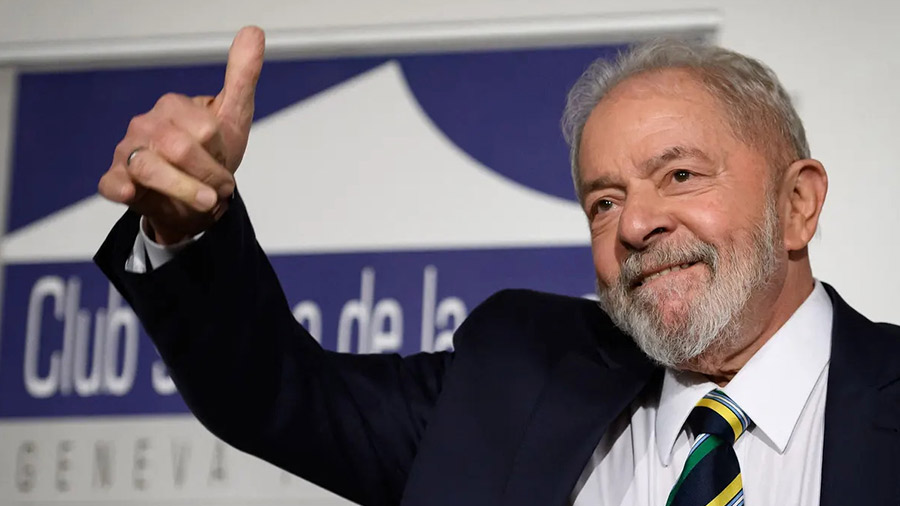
(161, 235)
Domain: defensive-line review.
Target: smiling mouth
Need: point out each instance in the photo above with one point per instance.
(663, 272)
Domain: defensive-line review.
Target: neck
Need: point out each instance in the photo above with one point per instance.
(765, 313)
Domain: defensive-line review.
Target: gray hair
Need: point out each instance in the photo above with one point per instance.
(757, 108)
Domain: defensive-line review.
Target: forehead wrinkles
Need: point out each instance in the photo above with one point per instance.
(682, 102)
(749, 121)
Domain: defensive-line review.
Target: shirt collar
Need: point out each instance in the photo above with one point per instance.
(772, 387)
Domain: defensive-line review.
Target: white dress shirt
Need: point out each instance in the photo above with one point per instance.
(148, 254)
(781, 388)
(639, 459)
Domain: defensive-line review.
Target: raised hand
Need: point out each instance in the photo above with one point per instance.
(176, 163)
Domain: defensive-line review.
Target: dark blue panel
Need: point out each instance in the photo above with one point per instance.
(329, 281)
(504, 108)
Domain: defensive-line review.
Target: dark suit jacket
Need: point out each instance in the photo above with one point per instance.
(510, 418)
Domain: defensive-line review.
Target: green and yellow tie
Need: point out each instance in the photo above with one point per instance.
(711, 475)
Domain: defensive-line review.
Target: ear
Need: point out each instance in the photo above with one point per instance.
(805, 185)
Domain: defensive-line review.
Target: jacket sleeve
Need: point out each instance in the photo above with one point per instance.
(256, 379)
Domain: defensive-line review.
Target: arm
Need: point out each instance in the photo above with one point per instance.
(257, 379)
(220, 320)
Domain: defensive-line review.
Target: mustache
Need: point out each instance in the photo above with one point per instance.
(661, 255)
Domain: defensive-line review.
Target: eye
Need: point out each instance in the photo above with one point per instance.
(681, 176)
(602, 205)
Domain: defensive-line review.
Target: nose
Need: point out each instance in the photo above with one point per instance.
(644, 220)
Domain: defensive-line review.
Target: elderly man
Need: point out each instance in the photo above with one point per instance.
(719, 370)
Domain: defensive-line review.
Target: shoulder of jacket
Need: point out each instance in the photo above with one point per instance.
(518, 315)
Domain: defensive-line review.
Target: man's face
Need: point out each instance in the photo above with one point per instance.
(684, 229)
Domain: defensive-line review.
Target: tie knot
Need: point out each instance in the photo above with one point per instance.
(718, 415)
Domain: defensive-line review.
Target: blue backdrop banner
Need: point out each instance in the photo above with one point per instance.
(494, 198)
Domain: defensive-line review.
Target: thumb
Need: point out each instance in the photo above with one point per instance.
(234, 104)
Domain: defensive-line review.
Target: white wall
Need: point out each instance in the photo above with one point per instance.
(838, 57)
(7, 108)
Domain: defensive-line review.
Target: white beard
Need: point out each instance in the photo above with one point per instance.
(713, 320)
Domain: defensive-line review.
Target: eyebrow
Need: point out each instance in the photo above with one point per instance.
(672, 154)
(649, 166)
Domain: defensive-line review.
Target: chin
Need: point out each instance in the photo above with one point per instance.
(673, 318)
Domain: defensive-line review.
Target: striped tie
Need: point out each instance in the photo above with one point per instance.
(711, 475)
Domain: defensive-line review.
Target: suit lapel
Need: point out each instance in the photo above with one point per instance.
(581, 398)
(862, 412)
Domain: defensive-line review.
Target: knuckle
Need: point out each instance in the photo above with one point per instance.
(122, 150)
(168, 100)
(112, 187)
(219, 179)
(103, 186)
(174, 147)
(140, 169)
(209, 179)
(207, 129)
(139, 124)
(228, 188)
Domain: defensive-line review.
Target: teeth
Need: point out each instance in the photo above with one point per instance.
(666, 271)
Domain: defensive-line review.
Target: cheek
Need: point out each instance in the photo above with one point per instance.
(716, 220)
(606, 262)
